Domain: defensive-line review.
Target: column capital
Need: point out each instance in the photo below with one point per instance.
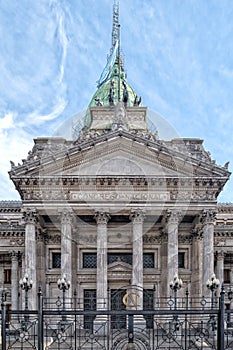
(208, 216)
(30, 216)
(102, 217)
(14, 255)
(220, 255)
(137, 216)
(66, 216)
(173, 216)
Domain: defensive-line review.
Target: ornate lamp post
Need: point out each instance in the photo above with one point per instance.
(212, 284)
(26, 285)
(63, 285)
(175, 285)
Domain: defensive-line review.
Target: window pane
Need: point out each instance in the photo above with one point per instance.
(89, 260)
(181, 260)
(56, 260)
(148, 261)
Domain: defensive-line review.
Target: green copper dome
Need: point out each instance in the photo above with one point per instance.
(111, 91)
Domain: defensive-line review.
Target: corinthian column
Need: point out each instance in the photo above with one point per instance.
(30, 265)
(14, 281)
(208, 220)
(137, 217)
(66, 247)
(102, 273)
(172, 224)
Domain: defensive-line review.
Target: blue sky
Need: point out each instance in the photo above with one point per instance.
(178, 56)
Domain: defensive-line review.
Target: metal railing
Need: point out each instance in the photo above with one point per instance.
(170, 324)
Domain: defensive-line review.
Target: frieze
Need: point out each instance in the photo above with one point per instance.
(17, 242)
(185, 239)
(91, 239)
(150, 239)
(117, 196)
(52, 239)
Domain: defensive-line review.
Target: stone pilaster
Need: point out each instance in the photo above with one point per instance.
(66, 247)
(102, 273)
(220, 267)
(172, 224)
(137, 217)
(208, 220)
(14, 280)
(30, 263)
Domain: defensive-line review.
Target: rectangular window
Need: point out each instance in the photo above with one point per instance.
(181, 260)
(148, 304)
(56, 260)
(89, 304)
(227, 276)
(89, 260)
(7, 276)
(117, 321)
(148, 261)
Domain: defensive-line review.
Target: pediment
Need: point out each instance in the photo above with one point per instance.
(119, 154)
(119, 266)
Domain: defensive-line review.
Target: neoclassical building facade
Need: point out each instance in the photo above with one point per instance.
(115, 207)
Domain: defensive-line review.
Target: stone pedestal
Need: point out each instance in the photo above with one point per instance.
(208, 220)
(66, 248)
(30, 263)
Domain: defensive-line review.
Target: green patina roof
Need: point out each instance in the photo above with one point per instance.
(102, 93)
(111, 74)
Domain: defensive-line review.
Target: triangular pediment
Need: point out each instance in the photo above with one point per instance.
(117, 155)
(119, 266)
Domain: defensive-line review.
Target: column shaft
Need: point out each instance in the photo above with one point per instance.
(208, 217)
(30, 266)
(220, 267)
(14, 281)
(173, 218)
(137, 217)
(102, 272)
(66, 248)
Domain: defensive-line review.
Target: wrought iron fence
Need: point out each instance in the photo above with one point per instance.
(76, 324)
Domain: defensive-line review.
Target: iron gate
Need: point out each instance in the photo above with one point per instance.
(162, 324)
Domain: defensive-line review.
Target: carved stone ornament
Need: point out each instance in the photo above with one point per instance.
(120, 120)
(220, 255)
(30, 216)
(173, 216)
(208, 216)
(66, 217)
(102, 217)
(149, 239)
(137, 216)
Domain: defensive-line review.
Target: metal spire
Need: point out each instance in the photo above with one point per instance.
(115, 25)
